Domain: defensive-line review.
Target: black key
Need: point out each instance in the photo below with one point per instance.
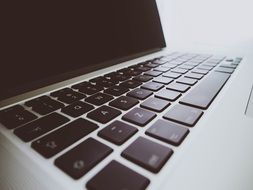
(178, 87)
(143, 78)
(15, 116)
(76, 109)
(153, 86)
(228, 65)
(143, 69)
(178, 70)
(148, 154)
(161, 69)
(139, 116)
(132, 72)
(153, 73)
(155, 104)
(151, 65)
(168, 132)
(68, 96)
(185, 80)
(183, 114)
(88, 88)
(116, 176)
(117, 132)
(188, 67)
(130, 84)
(60, 139)
(104, 82)
(140, 93)
(103, 114)
(169, 65)
(116, 90)
(117, 76)
(225, 70)
(124, 102)
(61, 92)
(204, 93)
(194, 75)
(41, 126)
(82, 158)
(199, 71)
(168, 95)
(205, 67)
(44, 105)
(172, 75)
(163, 80)
(99, 99)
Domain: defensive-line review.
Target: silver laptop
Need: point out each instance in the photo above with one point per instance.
(93, 98)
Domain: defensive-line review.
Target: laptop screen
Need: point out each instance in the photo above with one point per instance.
(49, 42)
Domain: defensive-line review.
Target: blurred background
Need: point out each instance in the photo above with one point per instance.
(215, 24)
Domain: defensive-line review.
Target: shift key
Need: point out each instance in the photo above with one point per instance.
(204, 93)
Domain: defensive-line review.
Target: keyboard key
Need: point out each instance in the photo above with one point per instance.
(139, 116)
(168, 132)
(44, 105)
(188, 67)
(178, 87)
(194, 75)
(153, 73)
(143, 69)
(99, 99)
(88, 88)
(205, 67)
(199, 71)
(204, 93)
(151, 65)
(116, 176)
(116, 90)
(155, 104)
(143, 78)
(184, 114)
(172, 75)
(228, 65)
(161, 69)
(169, 65)
(131, 84)
(148, 154)
(60, 139)
(124, 102)
(104, 82)
(41, 126)
(117, 76)
(82, 158)
(225, 70)
(153, 86)
(117, 132)
(140, 93)
(179, 70)
(168, 95)
(68, 96)
(77, 109)
(188, 81)
(103, 114)
(15, 116)
(163, 80)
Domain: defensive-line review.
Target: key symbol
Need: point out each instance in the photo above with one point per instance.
(139, 92)
(51, 144)
(104, 112)
(79, 164)
(99, 97)
(77, 107)
(138, 114)
(20, 118)
(123, 101)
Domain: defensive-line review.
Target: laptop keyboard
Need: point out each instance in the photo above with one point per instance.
(178, 87)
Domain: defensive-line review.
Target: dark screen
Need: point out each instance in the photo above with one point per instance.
(47, 42)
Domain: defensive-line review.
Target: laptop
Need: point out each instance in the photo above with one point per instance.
(93, 98)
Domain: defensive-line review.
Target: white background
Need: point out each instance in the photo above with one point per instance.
(217, 23)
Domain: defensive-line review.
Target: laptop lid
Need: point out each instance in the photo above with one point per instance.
(45, 44)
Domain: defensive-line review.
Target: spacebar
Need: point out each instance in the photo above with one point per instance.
(203, 94)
